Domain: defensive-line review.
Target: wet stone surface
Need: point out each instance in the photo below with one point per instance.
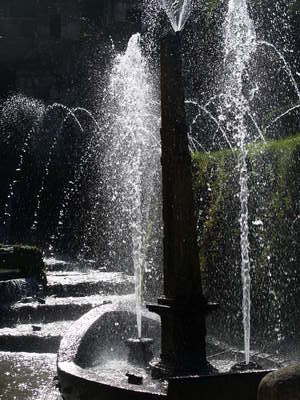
(31, 330)
(117, 373)
(27, 376)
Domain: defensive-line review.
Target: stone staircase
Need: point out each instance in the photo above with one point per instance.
(37, 325)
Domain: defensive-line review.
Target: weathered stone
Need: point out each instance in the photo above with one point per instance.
(22, 262)
(283, 384)
(242, 386)
(183, 308)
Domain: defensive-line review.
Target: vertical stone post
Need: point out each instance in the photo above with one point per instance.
(183, 308)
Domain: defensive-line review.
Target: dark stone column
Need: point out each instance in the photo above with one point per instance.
(183, 308)
(181, 261)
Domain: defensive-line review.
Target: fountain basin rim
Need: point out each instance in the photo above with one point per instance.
(75, 379)
(78, 375)
(71, 340)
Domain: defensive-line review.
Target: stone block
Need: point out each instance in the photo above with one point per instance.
(283, 384)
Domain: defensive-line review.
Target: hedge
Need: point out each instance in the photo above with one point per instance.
(274, 219)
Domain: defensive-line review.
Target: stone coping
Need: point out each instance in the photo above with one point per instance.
(72, 340)
(75, 379)
(78, 380)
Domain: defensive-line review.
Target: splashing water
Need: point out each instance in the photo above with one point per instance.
(67, 113)
(240, 45)
(14, 182)
(178, 12)
(131, 161)
(28, 114)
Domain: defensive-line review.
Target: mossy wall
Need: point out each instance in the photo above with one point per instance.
(274, 219)
(27, 260)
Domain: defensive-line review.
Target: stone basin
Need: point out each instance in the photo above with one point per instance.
(96, 342)
(92, 363)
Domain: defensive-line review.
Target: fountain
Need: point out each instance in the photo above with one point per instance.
(93, 360)
(122, 349)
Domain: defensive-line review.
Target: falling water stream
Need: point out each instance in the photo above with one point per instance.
(134, 128)
(49, 110)
(240, 45)
(11, 190)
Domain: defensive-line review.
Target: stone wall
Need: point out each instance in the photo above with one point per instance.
(35, 34)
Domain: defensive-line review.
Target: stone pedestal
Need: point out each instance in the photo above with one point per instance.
(183, 348)
(183, 308)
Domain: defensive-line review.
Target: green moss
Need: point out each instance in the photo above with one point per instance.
(211, 6)
(203, 160)
(288, 144)
(274, 209)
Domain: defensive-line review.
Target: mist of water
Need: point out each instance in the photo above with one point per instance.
(131, 161)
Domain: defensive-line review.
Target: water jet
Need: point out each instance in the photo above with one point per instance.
(107, 353)
(93, 356)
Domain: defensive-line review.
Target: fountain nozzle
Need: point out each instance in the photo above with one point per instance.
(244, 367)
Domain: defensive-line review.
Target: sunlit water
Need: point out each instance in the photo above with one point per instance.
(27, 114)
(178, 12)
(114, 372)
(34, 118)
(131, 161)
(65, 114)
(239, 46)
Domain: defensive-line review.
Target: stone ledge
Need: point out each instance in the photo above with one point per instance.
(283, 384)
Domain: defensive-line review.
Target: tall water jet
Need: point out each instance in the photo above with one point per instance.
(240, 45)
(131, 163)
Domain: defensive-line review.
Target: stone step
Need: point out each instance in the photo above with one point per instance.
(78, 284)
(53, 264)
(44, 336)
(41, 313)
(54, 309)
(16, 289)
(37, 338)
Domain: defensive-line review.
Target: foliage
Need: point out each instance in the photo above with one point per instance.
(274, 218)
